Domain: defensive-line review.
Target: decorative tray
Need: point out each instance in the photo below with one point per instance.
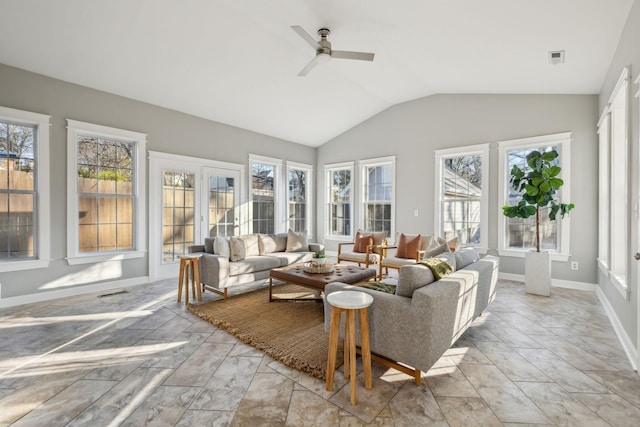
(314, 268)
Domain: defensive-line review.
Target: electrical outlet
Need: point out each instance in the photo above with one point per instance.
(574, 265)
(416, 213)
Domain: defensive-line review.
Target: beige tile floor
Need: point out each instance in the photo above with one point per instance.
(140, 358)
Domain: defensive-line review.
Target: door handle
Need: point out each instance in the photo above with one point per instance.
(637, 256)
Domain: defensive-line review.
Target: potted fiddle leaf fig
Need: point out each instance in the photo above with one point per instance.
(538, 186)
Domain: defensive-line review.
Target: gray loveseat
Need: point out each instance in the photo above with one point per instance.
(417, 324)
(229, 261)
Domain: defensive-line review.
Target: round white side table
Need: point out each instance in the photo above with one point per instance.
(349, 302)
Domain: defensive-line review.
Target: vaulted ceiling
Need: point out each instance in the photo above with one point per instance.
(237, 61)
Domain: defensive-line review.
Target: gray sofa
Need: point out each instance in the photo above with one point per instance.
(229, 261)
(417, 324)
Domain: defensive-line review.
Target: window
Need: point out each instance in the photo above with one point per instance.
(516, 235)
(264, 194)
(377, 194)
(613, 132)
(299, 195)
(462, 205)
(178, 211)
(604, 202)
(339, 198)
(24, 190)
(106, 173)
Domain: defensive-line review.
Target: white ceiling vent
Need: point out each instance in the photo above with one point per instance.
(556, 57)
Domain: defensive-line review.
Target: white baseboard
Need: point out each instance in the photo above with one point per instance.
(73, 291)
(627, 344)
(569, 284)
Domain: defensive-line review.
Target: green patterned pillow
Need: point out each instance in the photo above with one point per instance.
(379, 286)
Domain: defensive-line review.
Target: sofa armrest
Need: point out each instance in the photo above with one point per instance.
(214, 270)
(316, 247)
(414, 331)
(195, 248)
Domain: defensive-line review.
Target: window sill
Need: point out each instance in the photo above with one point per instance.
(92, 259)
(520, 254)
(23, 265)
(617, 283)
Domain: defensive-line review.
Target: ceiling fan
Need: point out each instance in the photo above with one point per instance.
(324, 53)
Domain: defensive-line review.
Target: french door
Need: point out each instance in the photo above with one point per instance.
(222, 195)
(189, 199)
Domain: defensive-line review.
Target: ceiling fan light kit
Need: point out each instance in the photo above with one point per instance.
(324, 53)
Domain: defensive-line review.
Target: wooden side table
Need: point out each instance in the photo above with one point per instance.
(189, 268)
(349, 302)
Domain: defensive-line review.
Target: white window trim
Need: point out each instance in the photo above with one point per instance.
(622, 86)
(563, 141)
(280, 203)
(309, 196)
(604, 200)
(43, 214)
(483, 150)
(328, 169)
(74, 128)
(363, 165)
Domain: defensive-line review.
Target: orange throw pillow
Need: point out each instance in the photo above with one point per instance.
(408, 247)
(362, 241)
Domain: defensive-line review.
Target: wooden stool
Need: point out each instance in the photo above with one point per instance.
(349, 302)
(189, 267)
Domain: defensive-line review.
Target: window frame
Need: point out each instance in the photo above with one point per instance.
(363, 165)
(470, 150)
(563, 142)
(328, 170)
(611, 255)
(279, 201)
(308, 169)
(41, 122)
(74, 130)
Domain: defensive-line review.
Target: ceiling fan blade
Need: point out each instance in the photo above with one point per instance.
(306, 36)
(310, 66)
(345, 54)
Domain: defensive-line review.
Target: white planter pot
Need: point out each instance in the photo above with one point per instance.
(320, 261)
(537, 273)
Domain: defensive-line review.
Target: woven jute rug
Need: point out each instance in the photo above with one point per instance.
(291, 332)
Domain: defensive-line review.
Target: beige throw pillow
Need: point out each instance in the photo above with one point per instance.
(221, 247)
(297, 242)
(238, 251)
(251, 246)
(438, 246)
(267, 243)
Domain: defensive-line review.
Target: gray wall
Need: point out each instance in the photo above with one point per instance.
(627, 54)
(413, 130)
(168, 131)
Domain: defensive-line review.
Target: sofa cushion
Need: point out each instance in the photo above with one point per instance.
(238, 249)
(362, 241)
(412, 277)
(288, 258)
(253, 264)
(297, 242)
(267, 243)
(251, 244)
(465, 257)
(221, 246)
(437, 247)
(408, 246)
(208, 245)
(450, 259)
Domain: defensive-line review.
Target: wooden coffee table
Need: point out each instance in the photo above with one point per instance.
(295, 274)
